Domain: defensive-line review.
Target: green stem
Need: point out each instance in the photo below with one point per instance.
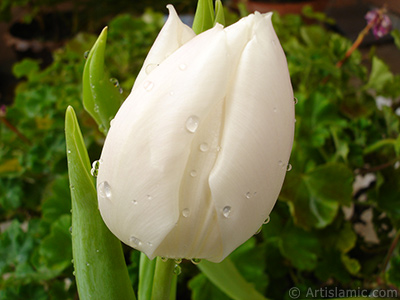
(227, 278)
(146, 276)
(163, 279)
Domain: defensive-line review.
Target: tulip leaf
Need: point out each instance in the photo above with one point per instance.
(146, 276)
(227, 278)
(101, 94)
(219, 13)
(204, 16)
(99, 263)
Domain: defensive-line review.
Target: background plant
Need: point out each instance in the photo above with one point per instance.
(312, 240)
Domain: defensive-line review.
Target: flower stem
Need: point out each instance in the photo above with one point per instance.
(163, 279)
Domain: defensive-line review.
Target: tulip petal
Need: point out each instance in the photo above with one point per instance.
(146, 151)
(257, 138)
(172, 36)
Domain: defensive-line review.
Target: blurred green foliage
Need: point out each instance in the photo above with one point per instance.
(317, 233)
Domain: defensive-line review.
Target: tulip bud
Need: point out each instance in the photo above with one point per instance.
(196, 156)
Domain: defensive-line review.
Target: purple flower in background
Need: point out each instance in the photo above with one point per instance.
(379, 22)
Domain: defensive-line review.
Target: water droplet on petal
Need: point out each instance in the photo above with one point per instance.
(104, 190)
(248, 195)
(266, 220)
(186, 212)
(135, 241)
(296, 101)
(195, 261)
(192, 123)
(280, 163)
(95, 168)
(288, 167)
(203, 147)
(178, 260)
(177, 270)
(258, 231)
(134, 202)
(193, 173)
(275, 109)
(182, 67)
(86, 54)
(148, 85)
(150, 244)
(149, 197)
(226, 211)
(218, 148)
(149, 68)
(273, 42)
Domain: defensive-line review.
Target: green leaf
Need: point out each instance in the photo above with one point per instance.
(203, 289)
(56, 249)
(300, 247)
(100, 267)
(101, 94)
(314, 197)
(380, 75)
(28, 67)
(56, 200)
(228, 279)
(204, 17)
(219, 13)
(394, 271)
(396, 36)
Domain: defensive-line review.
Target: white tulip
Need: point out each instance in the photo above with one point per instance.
(196, 156)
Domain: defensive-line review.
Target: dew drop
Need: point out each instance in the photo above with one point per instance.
(97, 251)
(273, 42)
(87, 264)
(150, 244)
(218, 148)
(134, 202)
(72, 261)
(266, 220)
(148, 85)
(203, 147)
(149, 68)
(248, 195)
(193, 173)
(105, 190)
(149, 197)
(275, 109)
(195, 261)
(95, 168)
(70, 229)
(288, 167)
(115, 82)
(258, 231)
(182, 67)
(73, 273)
(96, 108)
(86, 54)
(192, 123)
(177, 270)
(226, 211)
(186, 212)
(280, 163)
(164, 259)
(178, 260)
(135, 241)
(296, 101)
(68, 151)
